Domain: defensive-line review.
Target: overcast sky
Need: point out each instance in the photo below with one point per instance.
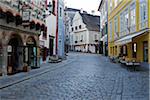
(87, 5)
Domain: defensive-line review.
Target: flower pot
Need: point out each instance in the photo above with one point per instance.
(26, 69)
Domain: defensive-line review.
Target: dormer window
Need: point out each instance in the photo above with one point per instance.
(80, 27)
(76, 28)
(72, 29)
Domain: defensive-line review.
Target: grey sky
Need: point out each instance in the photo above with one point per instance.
(87, 5)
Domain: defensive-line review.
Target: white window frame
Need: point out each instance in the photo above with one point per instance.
(143, 10)
(126, 20)
(133, 17)
(121, 24)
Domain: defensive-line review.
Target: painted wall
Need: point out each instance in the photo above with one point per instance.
(61, 29)
(51, 30)
(116, 11)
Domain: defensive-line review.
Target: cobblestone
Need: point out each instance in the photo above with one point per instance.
(90, 77)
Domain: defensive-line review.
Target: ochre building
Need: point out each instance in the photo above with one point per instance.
(129, 30)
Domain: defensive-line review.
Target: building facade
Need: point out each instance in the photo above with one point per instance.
(60, 30)
(103, 9)
(69, 15)
(48, 42)
(21, 23)
(129, 30)
(85, 31)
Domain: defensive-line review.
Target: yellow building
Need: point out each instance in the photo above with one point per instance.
(129, 30)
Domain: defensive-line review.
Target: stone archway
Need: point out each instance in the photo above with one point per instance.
(15, 54)
(32, 52)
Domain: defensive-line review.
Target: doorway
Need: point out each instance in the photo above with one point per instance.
(51, 45)
(32, 52)
(15, 54)
(145, 51)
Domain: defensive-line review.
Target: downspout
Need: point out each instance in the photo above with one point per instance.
(57, 27)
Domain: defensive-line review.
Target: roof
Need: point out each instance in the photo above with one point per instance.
(74, 10)
(100, 5)
(71, 9)
(92, 22)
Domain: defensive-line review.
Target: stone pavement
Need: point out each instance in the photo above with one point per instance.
(88, 77)
(7, 81)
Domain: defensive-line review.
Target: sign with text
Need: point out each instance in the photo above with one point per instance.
(25, 16)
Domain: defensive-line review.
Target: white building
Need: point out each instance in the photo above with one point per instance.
(48, 42)
(69, 15)
(84, 34)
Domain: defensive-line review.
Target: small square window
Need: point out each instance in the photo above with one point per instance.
(76, 27)
(72, 29)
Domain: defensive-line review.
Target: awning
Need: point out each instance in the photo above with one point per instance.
(128, 39)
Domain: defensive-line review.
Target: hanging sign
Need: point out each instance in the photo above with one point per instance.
(25, 15)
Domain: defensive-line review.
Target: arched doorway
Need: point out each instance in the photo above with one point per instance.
(15, 54)
(32, 52)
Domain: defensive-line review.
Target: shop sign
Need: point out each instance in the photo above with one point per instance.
(9, 48)
(25, 15)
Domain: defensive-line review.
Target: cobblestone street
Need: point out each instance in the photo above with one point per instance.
(88, 77)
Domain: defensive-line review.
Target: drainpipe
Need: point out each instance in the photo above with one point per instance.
(57, 27)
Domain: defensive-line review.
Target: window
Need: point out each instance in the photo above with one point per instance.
(143, 10)
(76, 38)
(76, 28)
(121, 24)
(132, 18)
(60, 11)
(53, 9)
(143, 13)
(45, 33)
(80, 27)
(110, 31)
(133, 15)
(116, 27)
(72, 29)
(116, 1)
(126, 18)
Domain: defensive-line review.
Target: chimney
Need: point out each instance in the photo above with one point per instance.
(93, 12)
(81, 10)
